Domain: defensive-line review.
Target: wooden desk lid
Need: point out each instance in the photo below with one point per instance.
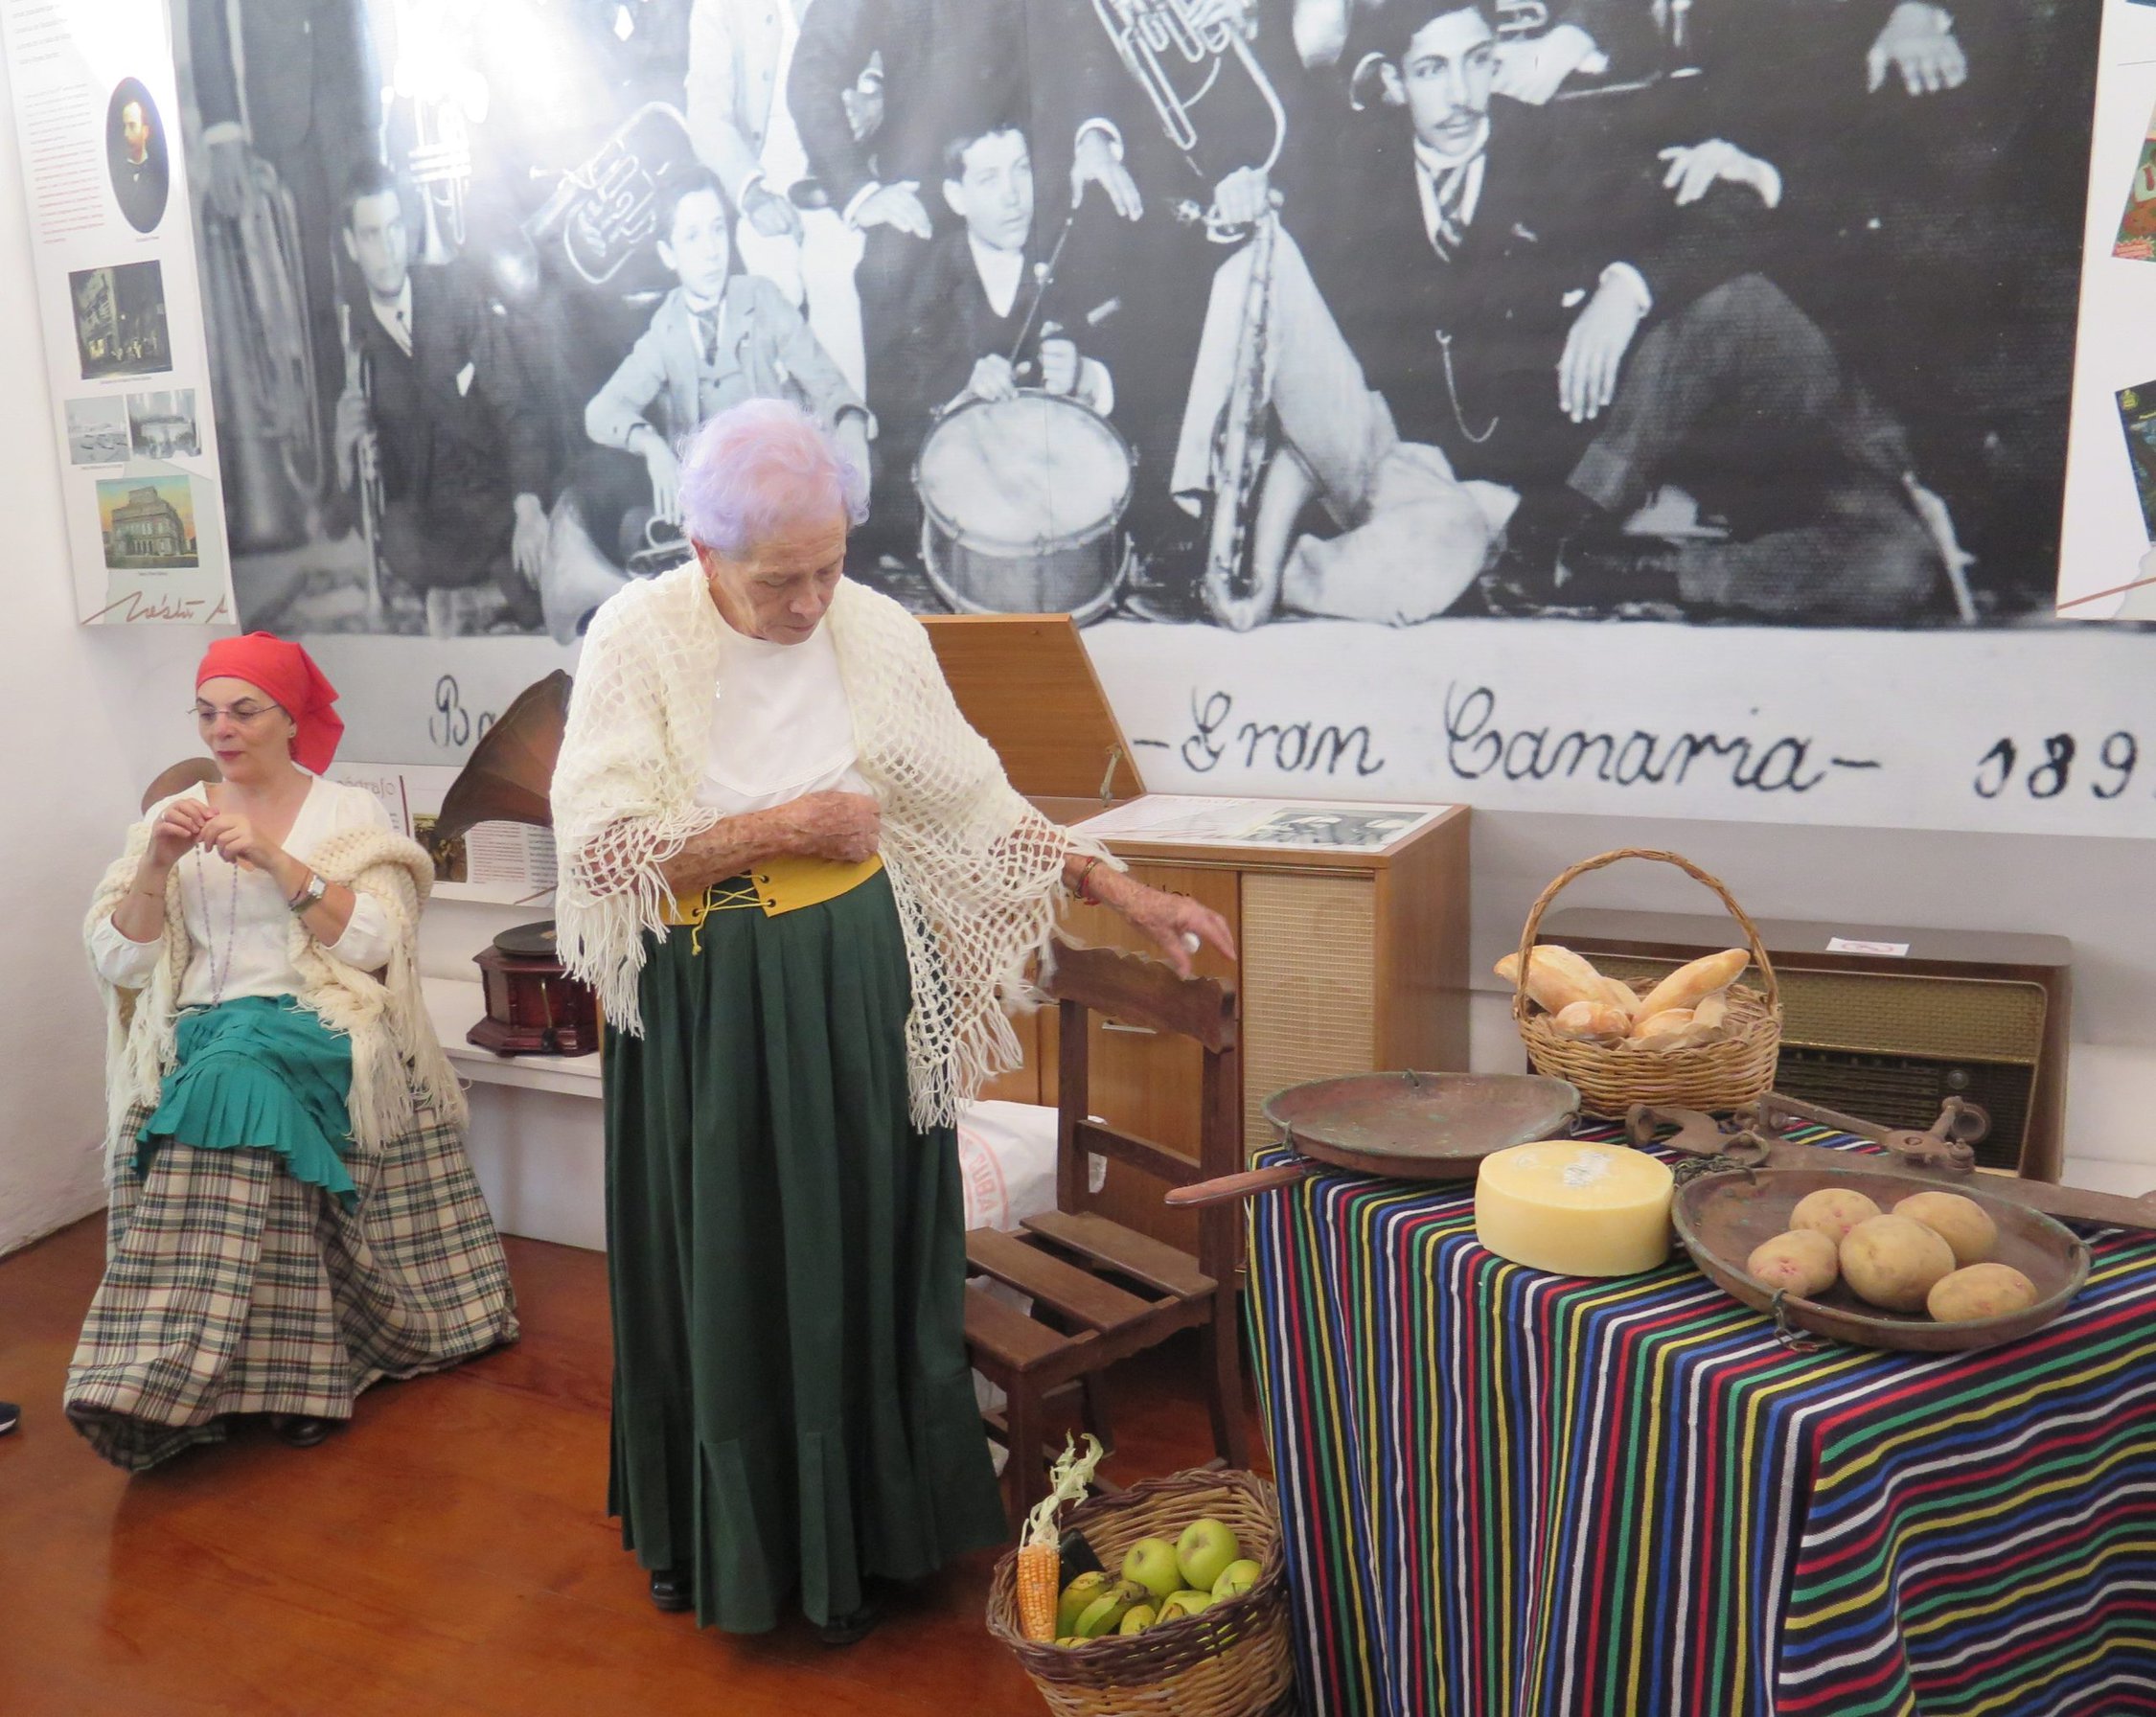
(1027, 686)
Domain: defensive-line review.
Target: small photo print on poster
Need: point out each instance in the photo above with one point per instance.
(148, 522)
(120, 320)
(2137, 416)
(97, 430)
(161, 425)
(451, 861)
(135, 155)
(1358, 831)
(2137, 226)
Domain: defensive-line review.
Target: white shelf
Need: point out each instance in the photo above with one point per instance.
(456, 1005)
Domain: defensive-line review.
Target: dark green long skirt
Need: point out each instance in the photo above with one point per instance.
(792, 1409)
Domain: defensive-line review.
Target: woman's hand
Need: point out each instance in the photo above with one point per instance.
(1167, 918)
(178, 827)
(844, 827)
(235, 841)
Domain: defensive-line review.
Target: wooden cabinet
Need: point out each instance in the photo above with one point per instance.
(1349, 960)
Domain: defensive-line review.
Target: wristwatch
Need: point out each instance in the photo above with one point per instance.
(314, 889)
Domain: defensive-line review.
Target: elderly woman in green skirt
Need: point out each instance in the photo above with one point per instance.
(804, 892)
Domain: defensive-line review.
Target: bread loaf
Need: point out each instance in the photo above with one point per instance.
(1591, 1020)
(1689, 985)
(1553, 980)
(1618, 994)
(1663, 1028)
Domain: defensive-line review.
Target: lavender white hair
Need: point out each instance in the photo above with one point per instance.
(761, 468)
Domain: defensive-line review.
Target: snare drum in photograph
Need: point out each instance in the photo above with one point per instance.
(1023, 504)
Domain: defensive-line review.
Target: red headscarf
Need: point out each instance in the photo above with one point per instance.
(286, 673)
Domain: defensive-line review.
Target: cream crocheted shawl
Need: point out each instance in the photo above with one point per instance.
(397, 1061)
(976, 872)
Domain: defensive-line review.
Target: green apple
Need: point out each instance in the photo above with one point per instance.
(1203, 1552)
(1179, 1604)
(1151, 1562)
(1236, 1578)
(1080, 1593)
(1105, 1614)
(1137, 1618)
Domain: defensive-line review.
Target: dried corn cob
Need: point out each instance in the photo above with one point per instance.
(1040, 1560)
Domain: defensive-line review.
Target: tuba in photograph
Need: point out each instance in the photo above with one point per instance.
(1182, 65)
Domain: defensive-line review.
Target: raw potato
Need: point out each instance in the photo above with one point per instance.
(1591, 1020)
(1964, 1223)
(1833, 1210)
(1980, 1291)
(1553, 978)
(1803, 1262)
(1895, 1262)
(1688, 985)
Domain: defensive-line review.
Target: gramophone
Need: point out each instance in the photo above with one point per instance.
(534, 1007)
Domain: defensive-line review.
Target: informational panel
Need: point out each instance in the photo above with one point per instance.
(510, 863)
(1726, 409)
(97, 115)
(2108, 571)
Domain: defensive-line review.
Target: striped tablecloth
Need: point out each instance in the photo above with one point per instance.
(1509, 1493)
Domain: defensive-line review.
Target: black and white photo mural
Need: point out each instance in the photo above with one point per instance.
(1656, 405)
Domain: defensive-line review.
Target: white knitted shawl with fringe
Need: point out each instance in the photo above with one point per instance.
(397, 1061)
(976, 872)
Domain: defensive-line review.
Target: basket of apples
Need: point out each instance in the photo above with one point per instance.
(1167, 1600)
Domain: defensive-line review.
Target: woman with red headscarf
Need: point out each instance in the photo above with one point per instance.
(292, 1215)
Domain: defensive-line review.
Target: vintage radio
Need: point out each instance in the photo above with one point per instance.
(1968, 1014)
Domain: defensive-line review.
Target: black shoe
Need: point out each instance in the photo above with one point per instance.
(1541, 525)
(298, 1429)
(672, 1590)
(853, 1627)
(1605, 570)
(11, 1416)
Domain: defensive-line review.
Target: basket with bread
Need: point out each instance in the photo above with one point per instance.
(1697, 1037)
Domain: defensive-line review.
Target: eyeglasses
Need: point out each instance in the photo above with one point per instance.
(243, 712)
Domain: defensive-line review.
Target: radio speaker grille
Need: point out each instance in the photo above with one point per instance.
(1309, 984)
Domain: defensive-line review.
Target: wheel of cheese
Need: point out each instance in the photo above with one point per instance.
(1574, 1208)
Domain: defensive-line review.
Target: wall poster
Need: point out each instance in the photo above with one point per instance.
(96, 107)
(1715, 409)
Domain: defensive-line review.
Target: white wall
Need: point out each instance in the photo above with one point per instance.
(91, 714)
(99, 711)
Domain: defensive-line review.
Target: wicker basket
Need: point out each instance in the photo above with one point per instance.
(1612, 1077)
(1230, 1660)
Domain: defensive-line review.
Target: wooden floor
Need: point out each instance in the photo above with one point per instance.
(446, 1554)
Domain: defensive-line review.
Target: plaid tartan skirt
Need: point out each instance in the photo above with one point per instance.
(231, 1288)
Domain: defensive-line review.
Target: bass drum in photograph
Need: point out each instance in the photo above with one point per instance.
(1023, 504)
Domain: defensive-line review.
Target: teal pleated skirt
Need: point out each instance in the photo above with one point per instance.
(792, 1409)
(259, 1073)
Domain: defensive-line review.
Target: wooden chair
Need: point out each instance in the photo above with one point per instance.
(189, 771)
(1102, 1292)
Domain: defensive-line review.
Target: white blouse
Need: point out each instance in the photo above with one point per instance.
(781, 726)
(245, 911)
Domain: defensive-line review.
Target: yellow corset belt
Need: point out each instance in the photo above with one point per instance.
(784, 885)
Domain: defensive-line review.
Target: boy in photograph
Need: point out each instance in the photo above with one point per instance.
(718, 338)
(977, 320)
